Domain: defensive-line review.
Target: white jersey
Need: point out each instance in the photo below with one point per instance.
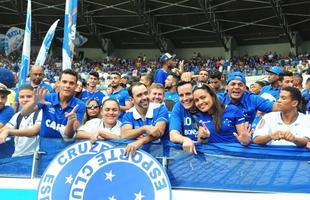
(272, 122)
(24, 145)
(94, 125)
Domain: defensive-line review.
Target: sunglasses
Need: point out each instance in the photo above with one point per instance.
(92, 107)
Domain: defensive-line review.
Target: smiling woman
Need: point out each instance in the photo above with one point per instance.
(106, 128)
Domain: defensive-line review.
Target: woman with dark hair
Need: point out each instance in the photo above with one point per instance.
(218, 123)
(92, 110)
(108, 127)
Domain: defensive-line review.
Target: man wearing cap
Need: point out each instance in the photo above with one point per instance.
(238, 95)
(273, 78)
(6, 112)
(167, 63)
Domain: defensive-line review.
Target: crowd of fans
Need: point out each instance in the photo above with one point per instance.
(203, 100)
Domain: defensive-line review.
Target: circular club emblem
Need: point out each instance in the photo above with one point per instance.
(111, 175)
(57, 179)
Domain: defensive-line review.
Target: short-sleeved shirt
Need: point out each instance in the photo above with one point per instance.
(95, 125)
(249, 103)
(24, 145)
(155, 113)
(160, 76)
(231, 117)
(5, 114)
(272, 122)
(54, 120)
(97, 95)
(270, 90)
(122, 97)
(182, 121)
(172, 96)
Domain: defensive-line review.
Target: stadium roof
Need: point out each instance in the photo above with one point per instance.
(156, 23)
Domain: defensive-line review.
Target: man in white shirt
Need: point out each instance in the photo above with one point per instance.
(286, 127)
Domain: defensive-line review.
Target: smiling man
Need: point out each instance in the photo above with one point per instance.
(62, 112)
(145, 121)
(182, 124)
(248, 102)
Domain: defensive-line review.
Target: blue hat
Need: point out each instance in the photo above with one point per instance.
(7, 78)
(236, 76)
(275, 70)
(165, 57)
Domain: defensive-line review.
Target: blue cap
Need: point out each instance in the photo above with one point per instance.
(236, 76)
(275, 70)
(165, 57)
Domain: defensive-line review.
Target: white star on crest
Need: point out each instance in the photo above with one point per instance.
(69, 179)
(109, 176)
(112, 198)
(139, 196)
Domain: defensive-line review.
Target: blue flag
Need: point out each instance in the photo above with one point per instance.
(46, 44)
(69, 33)
(25, 62)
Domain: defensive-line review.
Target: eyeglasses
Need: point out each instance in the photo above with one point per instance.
(92, 107)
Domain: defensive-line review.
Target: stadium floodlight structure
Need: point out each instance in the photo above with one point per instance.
(278, 10)
(164, 45)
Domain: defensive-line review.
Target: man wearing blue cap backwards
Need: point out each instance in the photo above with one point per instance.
(248, 102)
(273, 78)
(167, 62)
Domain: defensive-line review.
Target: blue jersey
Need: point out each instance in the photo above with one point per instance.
(155, 113)
(171, 96)
(6, 114)
(54, 120)
(97, 95)
(232, 116)
(160, 76)
(182, 121)
(270, 90)
(249, 104)
(121, 96)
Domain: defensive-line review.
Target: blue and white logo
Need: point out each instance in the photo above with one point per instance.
(111, 175)
(56, 181)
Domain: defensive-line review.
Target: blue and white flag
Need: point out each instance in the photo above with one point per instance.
(46, 44)
(14, 38)
(25, 62)
(69, 33)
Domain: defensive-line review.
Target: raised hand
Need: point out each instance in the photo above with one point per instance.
(186, 76)
(244, 134)
(39, 95)
(203, 133)
(72, 115)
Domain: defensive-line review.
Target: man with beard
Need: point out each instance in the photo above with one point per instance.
(171, 88)
(167, 62)
(91, 91)
(182, 126)
(119, 93)
(248, 102)
(145, 121)
(203, 76)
